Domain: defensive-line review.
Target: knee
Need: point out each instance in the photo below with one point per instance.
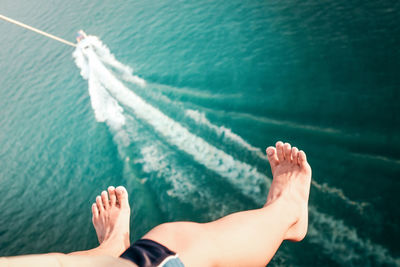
(192, 241)
(175, 235)
(162, 232)
(166, 231)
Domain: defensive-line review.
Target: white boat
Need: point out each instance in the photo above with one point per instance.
(80, 35)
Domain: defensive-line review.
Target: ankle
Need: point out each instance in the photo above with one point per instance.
(115, 245)
(290, 210)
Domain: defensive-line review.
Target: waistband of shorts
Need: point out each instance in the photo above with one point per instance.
(148, 253)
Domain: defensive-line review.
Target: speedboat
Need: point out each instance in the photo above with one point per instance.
(82, 39)
(80, 35)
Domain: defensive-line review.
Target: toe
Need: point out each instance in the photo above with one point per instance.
(279, 150)
(295, 153)
(105, 200)
(302, 157)
(113, 197)
(122, 196)
(287, 151)
(95, 211)
(99, 204)
(303, 161)
(272, 156)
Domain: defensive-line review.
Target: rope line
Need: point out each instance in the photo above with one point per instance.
(37, 30)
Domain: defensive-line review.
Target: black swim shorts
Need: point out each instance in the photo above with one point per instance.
(148, 253)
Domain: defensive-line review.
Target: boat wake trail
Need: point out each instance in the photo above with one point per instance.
(227, 133)
(108, 95)
(159, 140)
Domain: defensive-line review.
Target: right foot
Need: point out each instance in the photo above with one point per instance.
(291, 182)
(111, 214)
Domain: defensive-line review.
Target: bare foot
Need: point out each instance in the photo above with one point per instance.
(291, 180)
(111, 214)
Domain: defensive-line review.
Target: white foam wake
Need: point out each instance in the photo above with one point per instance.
(105, 107)
(344, 243)
(109, 95)
(224, 132)
(239, 174)
(105, 56)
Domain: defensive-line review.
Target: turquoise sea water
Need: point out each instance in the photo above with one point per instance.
(224, 80)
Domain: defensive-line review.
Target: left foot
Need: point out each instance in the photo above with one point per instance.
(111, 214)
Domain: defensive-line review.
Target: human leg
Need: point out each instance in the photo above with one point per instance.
(59, 259)
(111, 220)
(248, 238)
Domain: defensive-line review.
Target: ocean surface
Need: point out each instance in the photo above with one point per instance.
(177, 101)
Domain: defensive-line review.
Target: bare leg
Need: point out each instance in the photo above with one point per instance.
(111, 214)
(248, 238)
